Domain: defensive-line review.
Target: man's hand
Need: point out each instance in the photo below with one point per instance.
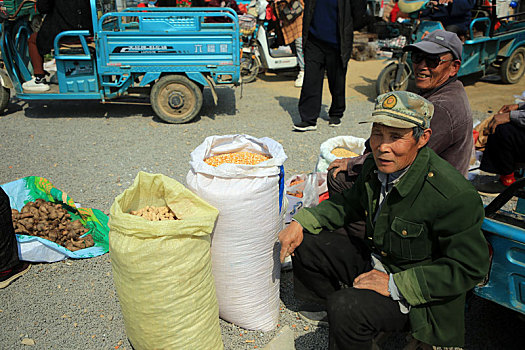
(340, 164)
(498, 119)
(374, 280)
(290, 238)
(508, 108)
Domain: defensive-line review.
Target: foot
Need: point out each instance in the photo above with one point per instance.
(491, 189)
(36, 84)
(8, 276)
(299, 81)
(334, 122)
(314, 314)
(304, 126)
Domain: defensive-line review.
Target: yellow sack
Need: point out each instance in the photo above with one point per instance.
(162, 269)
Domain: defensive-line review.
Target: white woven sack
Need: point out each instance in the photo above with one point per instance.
(245, 252)
(354, 144)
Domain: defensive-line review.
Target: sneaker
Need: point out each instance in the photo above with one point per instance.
(334, 122)
(491, 189)
(314, 314)
(36, 84)
(8, 276)
(299, 81)
(304, 126)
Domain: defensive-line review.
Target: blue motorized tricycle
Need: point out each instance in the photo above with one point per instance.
(166, 54)
(492, 41)
(505, 234)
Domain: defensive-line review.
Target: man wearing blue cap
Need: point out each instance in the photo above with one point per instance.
(423, 247)
(436, 60)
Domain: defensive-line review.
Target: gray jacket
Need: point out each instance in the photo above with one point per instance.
(451, 124)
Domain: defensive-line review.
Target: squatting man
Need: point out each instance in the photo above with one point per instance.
(423, 248)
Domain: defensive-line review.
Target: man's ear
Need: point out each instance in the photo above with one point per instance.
(454, 67)
(423, 139)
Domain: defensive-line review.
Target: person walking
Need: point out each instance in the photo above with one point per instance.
(328, 35)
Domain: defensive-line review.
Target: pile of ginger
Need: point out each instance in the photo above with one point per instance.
(52, 222)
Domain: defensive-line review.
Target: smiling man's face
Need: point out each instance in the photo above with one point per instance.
(428, 78)
(393, 148)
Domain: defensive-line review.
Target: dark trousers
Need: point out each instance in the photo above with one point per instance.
(318, 57)
(324, 267)
(505, 148)
(8, 245)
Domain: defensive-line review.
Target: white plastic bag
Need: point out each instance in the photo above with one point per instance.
(245, 249)
(304, 192)
(354, 144)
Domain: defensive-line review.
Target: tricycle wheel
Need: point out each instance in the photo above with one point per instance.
(5, 94)
(176, 99)
(513, 67)
(249, 67)
(386, 79)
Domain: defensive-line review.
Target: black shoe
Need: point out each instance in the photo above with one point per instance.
(314, 314)
(491, 189)
(334, 122)
(304, 126)
(8, 276)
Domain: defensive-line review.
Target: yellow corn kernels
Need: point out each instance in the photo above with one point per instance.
(247, 158)
(343, 152)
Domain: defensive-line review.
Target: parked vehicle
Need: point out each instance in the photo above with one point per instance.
(492, 42)
(166, 54)
(258, 46)
(505, 233)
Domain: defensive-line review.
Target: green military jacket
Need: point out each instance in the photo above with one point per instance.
(428, 233)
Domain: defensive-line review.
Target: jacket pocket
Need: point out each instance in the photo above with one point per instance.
(408, 240)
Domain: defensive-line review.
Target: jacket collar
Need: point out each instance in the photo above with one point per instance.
(413, 176)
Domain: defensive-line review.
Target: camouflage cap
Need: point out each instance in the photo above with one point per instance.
(402, 109)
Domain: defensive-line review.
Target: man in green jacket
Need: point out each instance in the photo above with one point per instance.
(422, 251)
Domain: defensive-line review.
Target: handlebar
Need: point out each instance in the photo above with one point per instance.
(4, 16)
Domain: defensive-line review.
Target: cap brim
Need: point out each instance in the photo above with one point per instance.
(428, 47)
(388, 121)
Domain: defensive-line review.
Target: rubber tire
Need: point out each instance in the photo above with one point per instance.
(249, 67)
(387, 76)
(5, 94)
(173, 85)
(508, 76)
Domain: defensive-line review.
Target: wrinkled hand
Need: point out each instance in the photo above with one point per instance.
(340, 164)
(290, 238)
(374, 280)
(498, 119)
(508, 108)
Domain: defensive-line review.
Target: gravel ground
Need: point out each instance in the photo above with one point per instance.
(93, 152)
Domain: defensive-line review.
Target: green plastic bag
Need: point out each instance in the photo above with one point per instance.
(162, 269)
(38, 249)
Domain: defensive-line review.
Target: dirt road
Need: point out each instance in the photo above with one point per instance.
(485, 95)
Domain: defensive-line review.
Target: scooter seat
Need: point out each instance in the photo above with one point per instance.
(281, 51)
